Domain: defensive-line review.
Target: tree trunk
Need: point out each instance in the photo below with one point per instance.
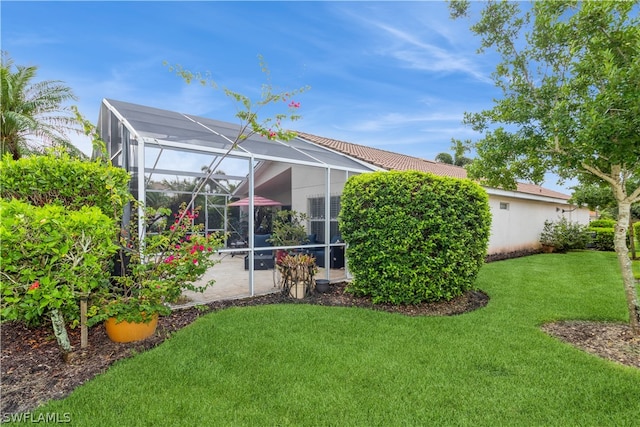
(632, 239)
(620, 244)
(60, 330)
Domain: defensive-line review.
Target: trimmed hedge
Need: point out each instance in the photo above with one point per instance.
(49, 257)
(603, 240)
(413, 237)
(64, 181)
(58, 230)
(602, 223)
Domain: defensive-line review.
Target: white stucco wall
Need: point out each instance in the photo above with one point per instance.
(519, 226)
(516, 228)
(308, 182)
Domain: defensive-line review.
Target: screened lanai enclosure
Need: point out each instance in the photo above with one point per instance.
(171, 156)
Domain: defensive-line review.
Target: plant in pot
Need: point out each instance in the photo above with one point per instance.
(298, 271)
(548, 237)
(288, 230)
(154, 273)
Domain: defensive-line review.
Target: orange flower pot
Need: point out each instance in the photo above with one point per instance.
(128, 332)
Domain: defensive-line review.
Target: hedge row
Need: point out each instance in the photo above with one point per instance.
(63, 181)
(58, 233)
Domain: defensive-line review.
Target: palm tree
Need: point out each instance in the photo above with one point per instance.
(458, 157)
(32, 113)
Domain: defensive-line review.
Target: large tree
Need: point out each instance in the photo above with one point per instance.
(570, 78)
(33, 114)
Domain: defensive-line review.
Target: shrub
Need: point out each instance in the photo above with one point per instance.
(602, 223)
(50, 257)
(604, 230)
(412, 236)
(564, 235)
(63, 181)
(604, 238)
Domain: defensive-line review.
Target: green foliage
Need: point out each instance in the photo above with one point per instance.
(605, 233)
(413, 236)
(159, 269)
(567, 74)
(50, 257)
(564, 235)
(248, 110)
(33, 114)
(569, 80)
(602, 223)
(603, 240)
(288, 229)
(63, 181)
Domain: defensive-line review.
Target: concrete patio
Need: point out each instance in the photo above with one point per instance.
(232, 281)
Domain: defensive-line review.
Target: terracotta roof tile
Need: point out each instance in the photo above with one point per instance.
(395, 161)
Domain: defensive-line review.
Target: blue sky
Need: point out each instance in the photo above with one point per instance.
(392, 75)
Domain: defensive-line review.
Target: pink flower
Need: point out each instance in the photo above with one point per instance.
(201, 248)
(195, 261)
(172, 228)
(169, 259)
(34, 286)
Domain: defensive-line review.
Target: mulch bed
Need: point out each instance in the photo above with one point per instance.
(33, 370)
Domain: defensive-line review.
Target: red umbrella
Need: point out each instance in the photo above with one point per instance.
(257, 201)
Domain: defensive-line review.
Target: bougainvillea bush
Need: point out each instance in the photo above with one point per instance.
(156, 270)
(412, 236)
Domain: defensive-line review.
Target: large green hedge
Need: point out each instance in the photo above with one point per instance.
(58, 232)
(63, 181)
(51, 256)
(413, 236)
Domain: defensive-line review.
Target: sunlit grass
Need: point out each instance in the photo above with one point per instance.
(314, 365)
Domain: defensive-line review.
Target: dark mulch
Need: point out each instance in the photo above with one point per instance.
(33, 370)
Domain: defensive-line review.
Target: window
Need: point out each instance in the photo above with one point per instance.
(317, 217)
(504, 206)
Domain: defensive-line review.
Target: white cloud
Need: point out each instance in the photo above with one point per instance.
(395, 120)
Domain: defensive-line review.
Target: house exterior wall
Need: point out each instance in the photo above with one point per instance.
(516, 223)
(283, 195)
(308, 182)
(517, 218)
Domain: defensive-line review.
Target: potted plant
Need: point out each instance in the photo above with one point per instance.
(155, 272)
(288, 230)
(297, 271)
(548, 238)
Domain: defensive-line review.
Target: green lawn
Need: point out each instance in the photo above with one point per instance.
(318, 366)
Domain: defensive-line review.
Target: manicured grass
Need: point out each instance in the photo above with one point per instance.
(312, 365)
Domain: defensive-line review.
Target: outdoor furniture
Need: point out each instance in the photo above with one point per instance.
(262, 259)
(336, 254)
(260, 262)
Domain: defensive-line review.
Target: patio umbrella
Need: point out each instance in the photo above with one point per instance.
(257, 201)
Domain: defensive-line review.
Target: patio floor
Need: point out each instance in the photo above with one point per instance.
(232, 281)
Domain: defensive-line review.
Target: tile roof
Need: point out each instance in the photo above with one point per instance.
(395, 161)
